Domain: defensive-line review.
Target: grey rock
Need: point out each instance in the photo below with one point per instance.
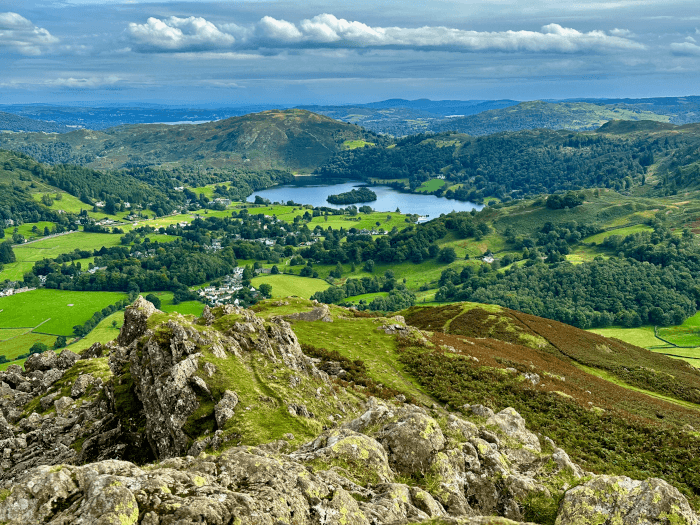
(481, 410)
(224, 409)
(82, 384)
(44, 361)
(618, 499)
(411, 442)
(513, 425)
(63, 405)
(135, 321)
(66, 359)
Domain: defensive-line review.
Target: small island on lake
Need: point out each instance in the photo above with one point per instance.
(363, 194)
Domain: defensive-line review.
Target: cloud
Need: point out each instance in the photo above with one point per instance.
(85, 82)
(19, 33)
(621, 32)
(328, 31)
(178, 34)
(685, 49)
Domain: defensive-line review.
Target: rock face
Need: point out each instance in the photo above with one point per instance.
(173, 389)
(618, 499)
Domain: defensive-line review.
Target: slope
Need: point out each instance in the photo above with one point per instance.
(288, 140)
(538, 114)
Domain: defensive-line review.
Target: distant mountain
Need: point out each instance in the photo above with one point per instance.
(575, 116)
(399, 117)
(295, 140)
(107, 116)
(10, 122)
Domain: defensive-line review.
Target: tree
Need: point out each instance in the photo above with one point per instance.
(154, 299)
(265, 289)
(368, 266)
(274, 270)
(7, 255)
(447, 255)
(38, 348)
(60, 342)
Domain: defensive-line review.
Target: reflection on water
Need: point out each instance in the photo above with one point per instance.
(388, 199)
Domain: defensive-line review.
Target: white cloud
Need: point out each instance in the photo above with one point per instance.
(278, 30)
(621, 32)
(178, 34)
(685, 49)
(328, 31)
(84, 82)
(21, 34)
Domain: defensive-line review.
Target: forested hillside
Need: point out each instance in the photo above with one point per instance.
(511, 165)
(288, 140)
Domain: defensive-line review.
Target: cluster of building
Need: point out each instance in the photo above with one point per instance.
(15, 291)
(224, 294)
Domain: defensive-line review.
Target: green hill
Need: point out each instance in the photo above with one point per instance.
(294, 140)
(538, 114)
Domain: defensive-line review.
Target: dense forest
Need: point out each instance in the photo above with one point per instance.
(652, 281)
(514, 165)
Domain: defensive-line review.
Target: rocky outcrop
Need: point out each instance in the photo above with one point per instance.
(619, 499)
(174, 389)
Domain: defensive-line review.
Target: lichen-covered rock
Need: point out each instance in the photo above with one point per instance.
(66, 359)
(364, 456)
(83, 383)
(513, 425)
(619, 499)
(63, 405)
(135, 321)
(43, 361)
(224, 409)
(411, 442)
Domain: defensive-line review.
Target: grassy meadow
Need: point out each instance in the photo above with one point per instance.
(287, 285)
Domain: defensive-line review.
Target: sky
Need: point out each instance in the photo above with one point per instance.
(331, 52)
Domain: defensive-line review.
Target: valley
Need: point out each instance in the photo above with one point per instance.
(553, 272)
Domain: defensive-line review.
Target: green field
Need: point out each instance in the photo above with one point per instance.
(642, 336)
(366, 297)
(354, 144)
(26, 229)
(286, 285)
(28, 254)
(21, 345)
(102, 333)
(72, 204)
(687, 334)
(628, 230)
(431, 185)
(48, 311)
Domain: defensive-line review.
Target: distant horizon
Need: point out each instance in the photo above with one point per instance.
(209, 105)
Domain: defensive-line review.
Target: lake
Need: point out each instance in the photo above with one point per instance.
(388, 199)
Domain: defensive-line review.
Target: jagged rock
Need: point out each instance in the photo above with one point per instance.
(82, 384)
(619, 499)
(209, 369)
(411, 442)
(51, 376)
(66, 359)
(351, 448)
(207, 317)
(299, 410)
(47, 401)
(96, 350)
(224, 409)
(63, 405)
(513, 425)
(135, 321)
(43, 361)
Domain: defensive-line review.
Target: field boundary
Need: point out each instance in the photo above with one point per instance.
(656, 334)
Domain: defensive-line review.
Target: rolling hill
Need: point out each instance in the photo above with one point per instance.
(18, 123)
(294, 140)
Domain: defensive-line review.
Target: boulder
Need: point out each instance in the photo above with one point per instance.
(363, 455)
(619, 499)
(224, 409)
(44, 361)
(82, 384)
(411, 442)
(66, 359)
(513, 425)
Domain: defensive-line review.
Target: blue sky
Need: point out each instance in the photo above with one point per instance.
(329, 52)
